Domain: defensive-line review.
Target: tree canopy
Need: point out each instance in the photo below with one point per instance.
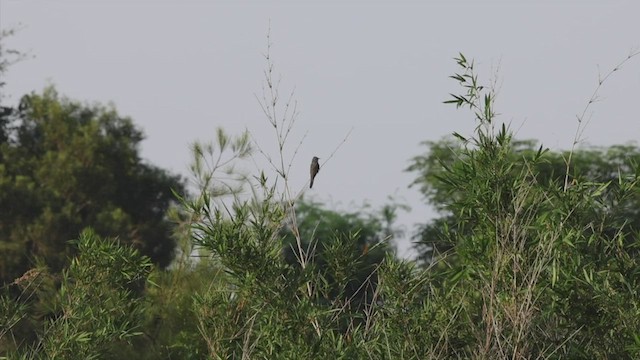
(66, 166)
(589, 165)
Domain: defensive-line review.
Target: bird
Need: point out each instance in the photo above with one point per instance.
(315, 167)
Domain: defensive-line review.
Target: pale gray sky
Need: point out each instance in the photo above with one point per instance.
(182, 68)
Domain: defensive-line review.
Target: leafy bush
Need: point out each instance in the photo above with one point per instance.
(97, 305)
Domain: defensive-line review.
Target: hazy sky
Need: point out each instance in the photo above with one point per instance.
(182, 68)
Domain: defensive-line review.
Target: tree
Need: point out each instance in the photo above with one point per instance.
(8, 57)
(541, 252)
(589, 165)
(67, 166)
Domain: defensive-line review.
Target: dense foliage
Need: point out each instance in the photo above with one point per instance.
(539, 250)
(67, 166)
(593, 165)
(535, 255)
(96, 307)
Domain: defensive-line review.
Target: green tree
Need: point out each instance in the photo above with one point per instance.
(608, 165)
(541, 253)
(67, 166)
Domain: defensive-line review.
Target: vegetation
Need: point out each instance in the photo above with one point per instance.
(535, 254)
(541, 257)
(64, 167)
(97, 305)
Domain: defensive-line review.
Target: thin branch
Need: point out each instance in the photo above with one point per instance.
(594, 97)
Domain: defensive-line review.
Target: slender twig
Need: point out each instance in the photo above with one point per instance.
(594, 97)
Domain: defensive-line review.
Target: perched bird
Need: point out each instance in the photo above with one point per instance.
(315, 167)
